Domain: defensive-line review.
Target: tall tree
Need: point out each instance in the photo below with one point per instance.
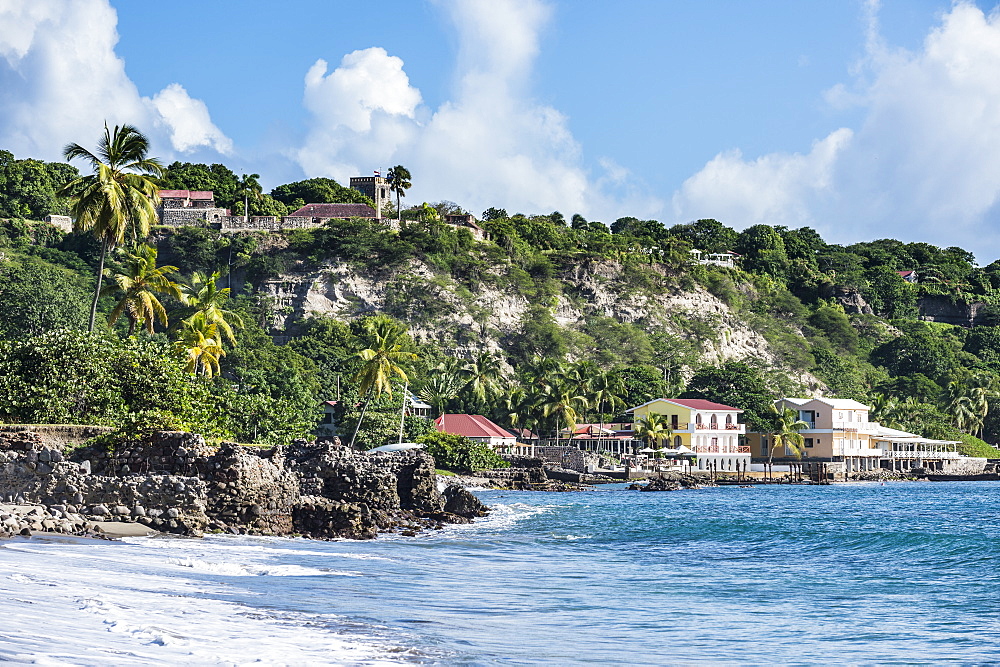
(785, 427)
(117, 202)
(399, 182)
(201, 294)
(381, 361)
(200, 344)
(139, 281)
(654, 428)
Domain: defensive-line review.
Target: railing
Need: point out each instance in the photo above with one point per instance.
(717, 427)
(920, 455)
(721, 449)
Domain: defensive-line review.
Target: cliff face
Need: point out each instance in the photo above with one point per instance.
(944, 309)
(467, 322)
(176, 483)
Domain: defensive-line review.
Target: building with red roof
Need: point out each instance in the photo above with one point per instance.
(479, 429)
(710, 431)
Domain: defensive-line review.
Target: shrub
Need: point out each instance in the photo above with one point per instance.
(456, 452)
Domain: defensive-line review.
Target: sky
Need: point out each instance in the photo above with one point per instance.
(863, 119)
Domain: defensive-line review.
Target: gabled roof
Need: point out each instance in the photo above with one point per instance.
(835, 403)
(691, 404)
(905, 273)
(334, 211)
(202, 194)
(175, 194)
(471, 426)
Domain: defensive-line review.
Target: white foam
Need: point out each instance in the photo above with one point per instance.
(95, 602)
(255, 569)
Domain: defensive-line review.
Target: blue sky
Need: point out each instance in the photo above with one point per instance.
(862, 119)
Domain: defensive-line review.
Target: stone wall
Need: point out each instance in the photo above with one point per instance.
(175, 482)
(190, 216)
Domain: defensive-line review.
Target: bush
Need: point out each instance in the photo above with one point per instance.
(456, 452)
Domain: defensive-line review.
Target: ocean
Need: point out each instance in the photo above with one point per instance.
(860, 573)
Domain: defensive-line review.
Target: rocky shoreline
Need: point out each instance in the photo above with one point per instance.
(174, 482)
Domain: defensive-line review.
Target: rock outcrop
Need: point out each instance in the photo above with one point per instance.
(176, 483)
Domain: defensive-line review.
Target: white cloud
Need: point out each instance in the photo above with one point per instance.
(923, 165)
(60, 79)
(362, 113)
(189, 121)
(775, 189)
(491, 144)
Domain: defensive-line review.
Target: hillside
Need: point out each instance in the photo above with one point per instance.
(547, 322)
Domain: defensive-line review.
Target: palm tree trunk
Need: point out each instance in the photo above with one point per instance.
(364, 406)
(399, 211)
(97, 291)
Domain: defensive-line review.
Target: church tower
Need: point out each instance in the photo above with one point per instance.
(375, 188)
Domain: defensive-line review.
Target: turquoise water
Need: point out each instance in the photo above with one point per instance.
(905, 572)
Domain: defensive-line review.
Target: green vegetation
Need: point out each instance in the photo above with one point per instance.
(188, 308)
(456, 452)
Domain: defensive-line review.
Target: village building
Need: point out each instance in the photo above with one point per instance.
(839, 431)
(480, 429)
(724, 259)
(709, 431)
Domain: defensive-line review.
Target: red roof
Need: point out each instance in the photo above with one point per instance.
(471, 426)
(701, 404)
(334, 211)
(187, 194)
(905, 273)
(692, 403)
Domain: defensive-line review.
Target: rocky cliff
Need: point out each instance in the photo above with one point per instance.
(468, 321)
(176, 483)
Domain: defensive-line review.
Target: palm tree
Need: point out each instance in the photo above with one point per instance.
(200, 344)
(398, 179)
(484, 376)
(381, 361)
(442, 385)
(785, 427)
(654, 428)
(885, 410)
(562, 399)
(605, 391)
(201, 294)
(138, 282)
(118, 201)
(248, 189)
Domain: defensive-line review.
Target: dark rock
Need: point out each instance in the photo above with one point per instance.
(459, 501)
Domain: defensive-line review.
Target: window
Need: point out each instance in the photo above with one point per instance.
(697, 419)
(714, 422)
(809, 442)
(677, 441)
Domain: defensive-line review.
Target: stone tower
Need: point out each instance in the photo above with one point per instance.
(375, 188)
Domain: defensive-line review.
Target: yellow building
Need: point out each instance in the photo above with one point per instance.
(711, 431)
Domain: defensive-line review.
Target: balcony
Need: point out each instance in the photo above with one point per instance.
(739, 428)
(721, 449)
(919, 455)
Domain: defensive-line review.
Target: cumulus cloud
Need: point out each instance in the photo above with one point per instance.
(188, 120)
(363, 112)
(490, 144)
(923, 165)
(60, 78)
